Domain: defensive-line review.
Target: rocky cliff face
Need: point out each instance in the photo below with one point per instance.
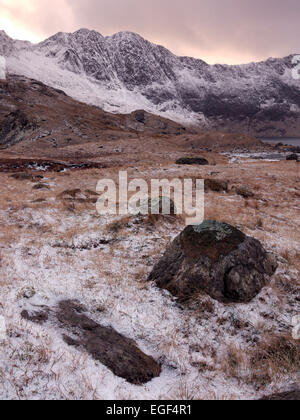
(124, 72)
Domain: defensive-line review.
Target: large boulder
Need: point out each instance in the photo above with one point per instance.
(217, 259)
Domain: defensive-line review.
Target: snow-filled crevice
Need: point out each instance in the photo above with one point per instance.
(2, 68)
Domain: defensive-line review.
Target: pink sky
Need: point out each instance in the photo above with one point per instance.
(226, 31)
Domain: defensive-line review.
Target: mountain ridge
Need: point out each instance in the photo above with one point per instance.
(124, 72)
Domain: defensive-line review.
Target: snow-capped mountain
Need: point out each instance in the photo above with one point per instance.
(124, 72)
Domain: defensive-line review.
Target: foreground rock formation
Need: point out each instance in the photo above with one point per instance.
(120, 354)
(215, 258)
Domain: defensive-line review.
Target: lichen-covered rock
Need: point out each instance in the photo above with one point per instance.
(215, 258)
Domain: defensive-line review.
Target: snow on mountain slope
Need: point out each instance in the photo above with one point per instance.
(2, 68)
(124, 72)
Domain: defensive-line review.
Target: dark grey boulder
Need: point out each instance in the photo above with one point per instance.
(192, 161)
(284, 396)
(216, 185)
(293, 156)
(217, 259)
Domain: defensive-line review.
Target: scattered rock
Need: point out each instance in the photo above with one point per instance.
(91, 192)
(120, 354)
(85, 246)
(215, 258)
(25, 176)
(192, 161)
(28, 293)
(71, 193)
(244, 191)
(293, 156)
(41, 187)
(216, 185)
(15, 127)
(284, 396)
(39, 200)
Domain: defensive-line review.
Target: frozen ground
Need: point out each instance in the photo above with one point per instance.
(206, 349)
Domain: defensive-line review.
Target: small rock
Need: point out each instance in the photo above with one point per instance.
(38, 317)
(192, 161)
(284, 396)
(28, 293)
(293, 156)
(216, 185)
(41, 187)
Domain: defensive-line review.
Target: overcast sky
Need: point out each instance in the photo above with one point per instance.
(227, 31)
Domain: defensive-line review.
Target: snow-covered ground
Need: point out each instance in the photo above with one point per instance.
(200, 347)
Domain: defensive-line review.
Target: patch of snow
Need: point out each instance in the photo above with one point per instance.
(2, 68)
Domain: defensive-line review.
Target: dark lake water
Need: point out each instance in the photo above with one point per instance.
(286, 140)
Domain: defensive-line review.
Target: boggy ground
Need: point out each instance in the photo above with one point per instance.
(54, 247)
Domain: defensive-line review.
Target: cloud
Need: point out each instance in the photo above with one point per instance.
(215, 30)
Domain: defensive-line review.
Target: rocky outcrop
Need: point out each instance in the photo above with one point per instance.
(244, 191)
(15, 128)
(217, 259)
(118, 353)
(215, 185)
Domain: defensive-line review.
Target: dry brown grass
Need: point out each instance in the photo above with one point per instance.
(234, 363)
(118, 226)
(275, 355)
